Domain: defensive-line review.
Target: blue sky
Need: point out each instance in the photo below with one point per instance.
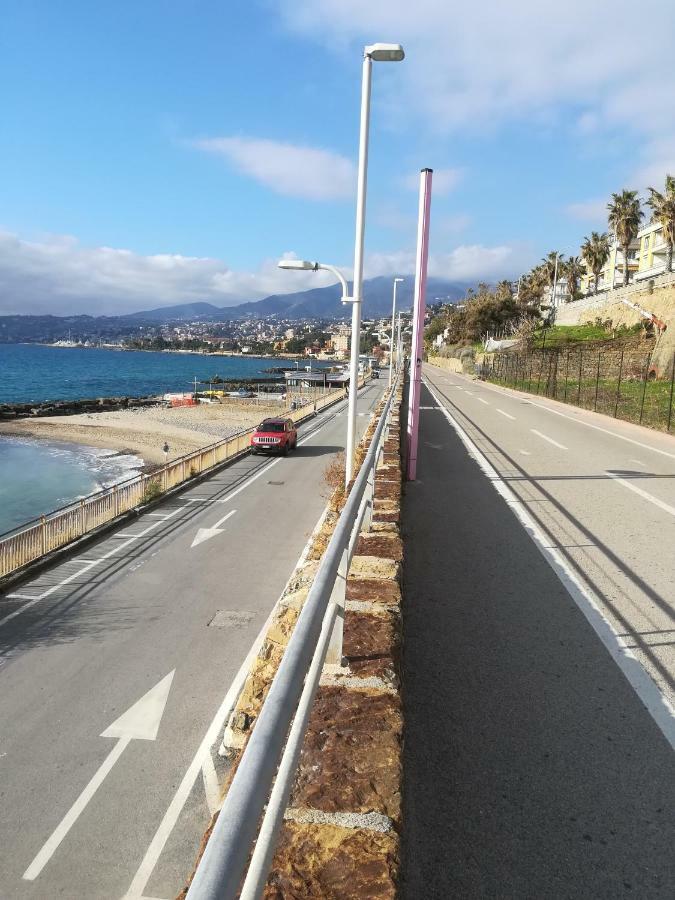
(159, 152)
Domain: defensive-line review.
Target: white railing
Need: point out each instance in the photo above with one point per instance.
(269, 755)
(34, 539)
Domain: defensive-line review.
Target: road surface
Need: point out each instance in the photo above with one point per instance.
(115, 666)
(538, 658)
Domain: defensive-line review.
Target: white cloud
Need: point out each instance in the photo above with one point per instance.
(589, 211)
(470, 67)
(60, 276)
(289, 169)
(443, 181)
(470, 262)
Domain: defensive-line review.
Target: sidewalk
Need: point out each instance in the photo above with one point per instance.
(531, 770)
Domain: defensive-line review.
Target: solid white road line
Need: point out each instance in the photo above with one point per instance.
(545, 438)
(211, 786)
(171, 816)
(580, 421)
(507, 415)
(621, 437)
(636, 490)
(657, 705)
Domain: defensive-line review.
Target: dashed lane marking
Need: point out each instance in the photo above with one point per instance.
(546, 438)
(506, 415)
(642, 683)
(645, 496)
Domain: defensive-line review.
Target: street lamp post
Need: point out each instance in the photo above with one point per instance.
(391, 343)
(377, 53)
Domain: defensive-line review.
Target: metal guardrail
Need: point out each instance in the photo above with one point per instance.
(317, 633)
(43, 535)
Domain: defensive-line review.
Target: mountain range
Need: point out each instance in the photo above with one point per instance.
(317, 303)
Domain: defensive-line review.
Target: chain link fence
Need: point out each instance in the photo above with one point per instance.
(619, 383)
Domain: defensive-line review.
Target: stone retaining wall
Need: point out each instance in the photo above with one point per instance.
(340, 835)
(9, 411)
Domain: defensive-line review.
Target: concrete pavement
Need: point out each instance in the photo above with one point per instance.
(81, 644)
(532, 767)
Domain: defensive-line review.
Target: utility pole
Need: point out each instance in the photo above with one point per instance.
(418, 322)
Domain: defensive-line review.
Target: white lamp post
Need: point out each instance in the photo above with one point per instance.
(377, 53)
(303, 265)
(397, 281)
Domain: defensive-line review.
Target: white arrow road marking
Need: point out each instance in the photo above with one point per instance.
(205, 534)
(140, 722)
(636, 490)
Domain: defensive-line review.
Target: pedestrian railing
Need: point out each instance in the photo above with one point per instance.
(42, 535)
(616, 382)
(272, 752)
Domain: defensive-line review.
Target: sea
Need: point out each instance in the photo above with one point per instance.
(38, 476)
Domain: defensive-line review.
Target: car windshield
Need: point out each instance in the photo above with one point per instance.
(271, 426)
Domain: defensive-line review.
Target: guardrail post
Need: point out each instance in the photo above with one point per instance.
(82, 517)
(43, 534)
(116, 501)
(337, 598)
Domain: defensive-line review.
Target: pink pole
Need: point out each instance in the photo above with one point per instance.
(418, 321)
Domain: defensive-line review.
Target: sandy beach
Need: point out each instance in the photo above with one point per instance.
(144, 431)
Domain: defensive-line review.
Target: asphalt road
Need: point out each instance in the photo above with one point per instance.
(115, 667)
(539, 656)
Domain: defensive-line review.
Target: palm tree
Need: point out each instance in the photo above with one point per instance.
(595, 252)
(573, 270)
(550, 263)
(624, 219)
(663, 212)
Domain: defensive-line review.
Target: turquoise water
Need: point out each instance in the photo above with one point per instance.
(37, 477)
(30, 373)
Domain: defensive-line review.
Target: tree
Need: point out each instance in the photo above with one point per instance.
(624, 219)
(595, 253)
(663, 212)
(573, 270)
(550, 264)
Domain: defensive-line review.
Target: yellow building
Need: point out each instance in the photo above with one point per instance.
(611, 274)
(653, 253)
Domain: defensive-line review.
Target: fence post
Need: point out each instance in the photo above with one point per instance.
(116, 501)
(541, 366)
(529, 377)
(597, 382)
(82, 517)
(618, 386)
(43, 534)
(555, 373)
(644, 387)
(581, 357)
(672, 383)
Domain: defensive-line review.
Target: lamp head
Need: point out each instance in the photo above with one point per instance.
(385, 52)
(398, 279)
(297, 264)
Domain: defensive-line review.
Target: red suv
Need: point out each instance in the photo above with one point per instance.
(275, 436)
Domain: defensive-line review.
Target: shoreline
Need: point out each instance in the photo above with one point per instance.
(143, 431)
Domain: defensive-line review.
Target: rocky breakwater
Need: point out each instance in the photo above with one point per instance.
(12, 411)
(340, 837)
